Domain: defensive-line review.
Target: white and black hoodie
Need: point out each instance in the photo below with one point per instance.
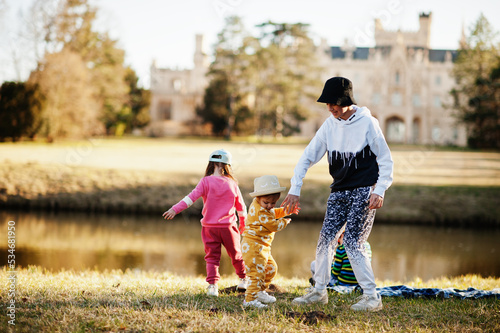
(358, 154)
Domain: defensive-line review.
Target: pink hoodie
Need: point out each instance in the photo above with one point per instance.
(222, 199)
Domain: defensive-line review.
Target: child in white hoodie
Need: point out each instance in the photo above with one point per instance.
(361, 166)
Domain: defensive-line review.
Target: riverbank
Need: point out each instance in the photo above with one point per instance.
(138, 301)
(33, 186)
(146, 176)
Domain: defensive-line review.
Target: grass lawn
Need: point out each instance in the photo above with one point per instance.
(139, 175)
(145, 176)
(136, 301)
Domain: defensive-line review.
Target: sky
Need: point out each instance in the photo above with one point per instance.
(164, 30)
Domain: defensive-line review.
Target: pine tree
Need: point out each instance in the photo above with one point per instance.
(477, 95)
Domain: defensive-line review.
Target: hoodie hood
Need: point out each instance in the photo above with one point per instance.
(351, 138)
(360, 113)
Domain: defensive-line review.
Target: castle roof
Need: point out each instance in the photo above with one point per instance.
(362, 53)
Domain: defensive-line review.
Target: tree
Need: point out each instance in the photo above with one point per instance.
(20, 107)
(69, 26)
(261, 84)
(70, 110)
(135, 113)
(225, 101)
(286, 77)
(477, 94)
(75, 29)
(215, 109)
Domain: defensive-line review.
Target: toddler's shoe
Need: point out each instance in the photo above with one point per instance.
(313, 296)
(264, 297)
(243, 284)
(254, 304)
(212, 290)
(368, 303)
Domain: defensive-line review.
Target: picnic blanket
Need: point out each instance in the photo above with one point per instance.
(410, 292)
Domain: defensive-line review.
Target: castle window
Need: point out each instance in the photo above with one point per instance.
(165, 110)
(416, 130)
(376, 98)
(395, 130)
(437, 102)
(436, 134)
(397, 78)
(357, 97)
(416, 100)
(397, 99)
(438, 80)
(177, 85)
(357, 79)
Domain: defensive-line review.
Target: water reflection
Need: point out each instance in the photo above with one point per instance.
(104, 242)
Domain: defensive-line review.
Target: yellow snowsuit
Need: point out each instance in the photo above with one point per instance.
(260, 226)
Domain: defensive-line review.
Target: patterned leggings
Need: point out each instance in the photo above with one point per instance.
(349, 208)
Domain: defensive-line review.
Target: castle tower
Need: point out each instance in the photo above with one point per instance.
(200, 61)
(425, 29)
(420, 38)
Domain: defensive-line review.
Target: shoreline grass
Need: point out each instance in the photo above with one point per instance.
(138, 301)
(42, 187)
(432, 185)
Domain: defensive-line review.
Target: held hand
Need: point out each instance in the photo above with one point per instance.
(376, 201)
(295, 211)
(291, 204)
(169, 214)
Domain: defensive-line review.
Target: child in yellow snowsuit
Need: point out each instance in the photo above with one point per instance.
(262, 222)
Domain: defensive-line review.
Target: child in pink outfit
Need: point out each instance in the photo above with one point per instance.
(222, 206)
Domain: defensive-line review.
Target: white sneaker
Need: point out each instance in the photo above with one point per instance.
(313, 296)
(212, 290)
(264, 297)
(368, 303)
(254, 304)
(243, 284)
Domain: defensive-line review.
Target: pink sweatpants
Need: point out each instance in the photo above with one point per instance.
(213, 238)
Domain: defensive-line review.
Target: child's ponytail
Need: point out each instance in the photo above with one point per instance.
(226, 170)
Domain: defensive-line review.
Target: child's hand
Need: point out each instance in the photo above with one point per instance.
(290, 203)
(295, 210)
(169, 214)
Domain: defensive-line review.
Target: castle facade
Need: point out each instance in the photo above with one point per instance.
(403, 81)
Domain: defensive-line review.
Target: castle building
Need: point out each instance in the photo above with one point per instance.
(175, 94)
(403, 81)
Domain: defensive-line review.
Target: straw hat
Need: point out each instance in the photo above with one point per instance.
(266, 185)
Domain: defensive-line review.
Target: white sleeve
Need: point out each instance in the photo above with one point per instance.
(385, 164)
(313, 153)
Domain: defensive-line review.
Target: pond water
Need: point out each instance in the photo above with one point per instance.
(106, 242)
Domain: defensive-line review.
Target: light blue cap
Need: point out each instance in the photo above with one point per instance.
(220, 155)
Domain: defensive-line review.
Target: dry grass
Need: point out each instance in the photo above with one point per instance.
(414, 165)
(148, 175)
(135, 301)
